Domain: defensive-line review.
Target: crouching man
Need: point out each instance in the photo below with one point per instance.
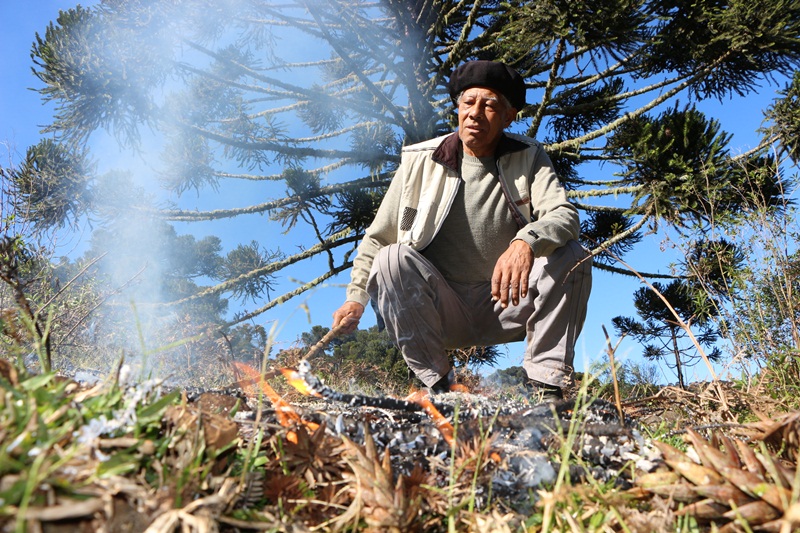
(475, 244)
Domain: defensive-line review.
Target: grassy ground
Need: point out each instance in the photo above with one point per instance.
(125, 456)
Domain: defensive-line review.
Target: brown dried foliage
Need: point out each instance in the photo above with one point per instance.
(385, 504)
(725, 482)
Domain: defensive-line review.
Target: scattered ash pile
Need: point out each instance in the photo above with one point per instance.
(504, 447)
(246, 458)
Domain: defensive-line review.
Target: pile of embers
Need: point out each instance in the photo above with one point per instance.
(506, 447)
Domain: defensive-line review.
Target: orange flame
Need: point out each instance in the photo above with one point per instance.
(422, 399)
(296, 381)
(283, 410)
(247, 377)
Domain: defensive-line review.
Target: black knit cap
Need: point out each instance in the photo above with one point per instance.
(491, 74)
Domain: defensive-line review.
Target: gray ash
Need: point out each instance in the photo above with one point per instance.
(527, 439)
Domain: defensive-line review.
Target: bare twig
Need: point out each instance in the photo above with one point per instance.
(10, 274)
(71, 281)
(685, 327)
(610, 351)
(548, 90)
(103, 300)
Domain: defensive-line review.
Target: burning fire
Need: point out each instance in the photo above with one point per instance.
(296, 380)
(251, 380)
(299, 380)
(422, 399)
(247, 377)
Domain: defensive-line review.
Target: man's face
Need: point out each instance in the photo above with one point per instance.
(482, 117)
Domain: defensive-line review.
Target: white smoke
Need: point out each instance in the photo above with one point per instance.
(167, 58)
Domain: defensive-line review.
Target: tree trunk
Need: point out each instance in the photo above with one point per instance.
(677, 352)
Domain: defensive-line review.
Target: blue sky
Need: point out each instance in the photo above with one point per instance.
(22, 114)
(21, 110)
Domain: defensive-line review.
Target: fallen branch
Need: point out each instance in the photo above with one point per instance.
(65, 511)
(307, 383)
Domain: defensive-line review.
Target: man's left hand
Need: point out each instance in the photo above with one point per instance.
(510, 277)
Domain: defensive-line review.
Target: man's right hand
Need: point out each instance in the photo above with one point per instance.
(348, 317)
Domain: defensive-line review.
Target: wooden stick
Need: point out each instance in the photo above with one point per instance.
(316, 387)
(323, 342)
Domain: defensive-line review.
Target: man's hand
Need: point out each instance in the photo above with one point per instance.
(510, 276)
(348, 316)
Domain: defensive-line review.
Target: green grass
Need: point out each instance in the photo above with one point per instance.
(60, 443)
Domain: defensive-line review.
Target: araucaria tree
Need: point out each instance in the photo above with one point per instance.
(662, 331)
(296, 111)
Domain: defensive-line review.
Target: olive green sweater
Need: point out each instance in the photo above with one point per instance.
(452, 209)
(478, 228)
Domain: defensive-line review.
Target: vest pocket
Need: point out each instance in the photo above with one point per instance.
(407, 220)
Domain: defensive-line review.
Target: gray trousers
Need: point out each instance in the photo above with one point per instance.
(425, 314)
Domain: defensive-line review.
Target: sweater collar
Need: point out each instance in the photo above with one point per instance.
(448, 151)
